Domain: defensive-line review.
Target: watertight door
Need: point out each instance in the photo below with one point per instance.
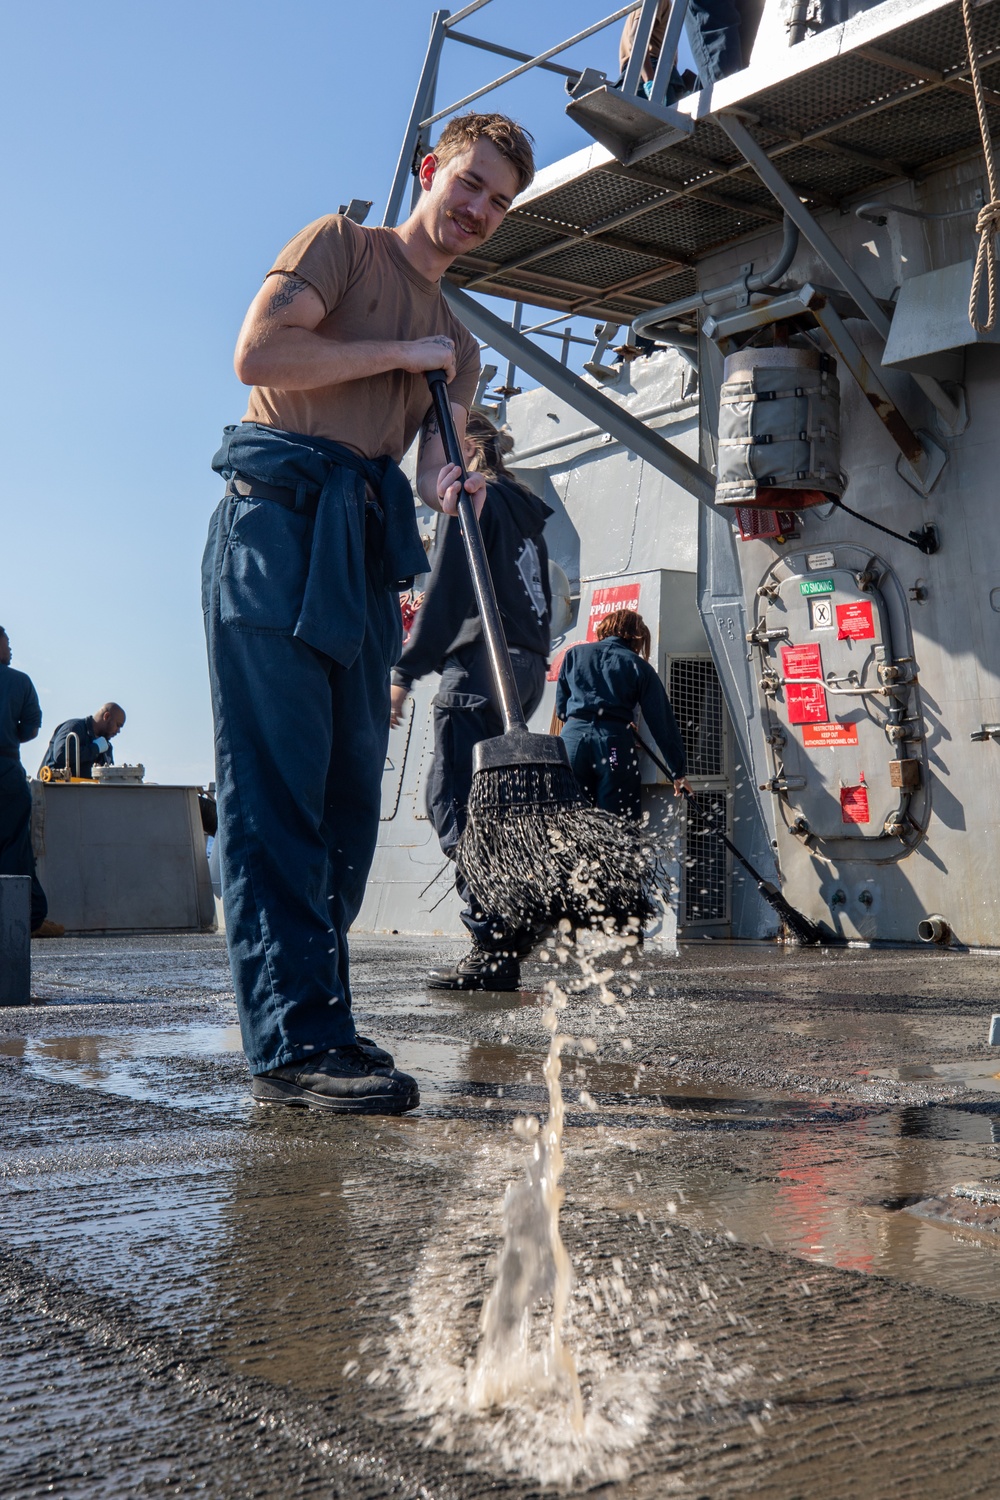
(835, 701)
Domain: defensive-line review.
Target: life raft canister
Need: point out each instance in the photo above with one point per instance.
(779, 430)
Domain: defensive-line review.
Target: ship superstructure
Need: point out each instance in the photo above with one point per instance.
(815, 215)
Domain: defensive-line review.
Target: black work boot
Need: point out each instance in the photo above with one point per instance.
(376, 1055)
(479, 970)
(344, 1079)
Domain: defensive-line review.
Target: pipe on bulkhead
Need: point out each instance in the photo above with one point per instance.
(648, 325)
(934, 929)
(798, 22)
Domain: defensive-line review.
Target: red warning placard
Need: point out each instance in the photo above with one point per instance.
(854, 621)
(604, 601)
(806, 703)
(801, 661)
(830, 734)
(854, 804)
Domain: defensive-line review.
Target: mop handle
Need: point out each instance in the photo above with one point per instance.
(482, 583)
(693, 807)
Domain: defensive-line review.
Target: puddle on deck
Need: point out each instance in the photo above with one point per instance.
(834, 1183)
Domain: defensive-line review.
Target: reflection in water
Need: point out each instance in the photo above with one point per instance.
(133, 1064)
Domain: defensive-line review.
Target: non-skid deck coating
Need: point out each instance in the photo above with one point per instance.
(775, 1292)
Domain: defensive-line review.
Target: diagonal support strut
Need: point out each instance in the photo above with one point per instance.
(635, 435)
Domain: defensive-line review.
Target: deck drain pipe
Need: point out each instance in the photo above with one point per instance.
(934, 929)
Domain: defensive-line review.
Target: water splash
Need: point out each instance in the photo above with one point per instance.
(533, 1265)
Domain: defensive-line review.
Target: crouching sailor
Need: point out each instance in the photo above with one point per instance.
(306, 555)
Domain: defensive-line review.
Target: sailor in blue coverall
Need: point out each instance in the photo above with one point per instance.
(20, 721)
(306, 555)
(603, 685)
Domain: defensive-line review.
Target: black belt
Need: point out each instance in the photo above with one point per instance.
(253, 489)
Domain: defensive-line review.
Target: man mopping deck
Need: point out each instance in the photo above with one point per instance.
(306, 555)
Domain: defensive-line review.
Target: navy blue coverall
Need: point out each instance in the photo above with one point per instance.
(90, 754)
(20, 721)
(602, 686)
(306, 555)
(447, 637)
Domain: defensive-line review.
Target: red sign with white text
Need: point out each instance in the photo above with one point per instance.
(854, 804)
(806, 703)
(830, 734)
(606, 601)
(854, 621)
(801, 661)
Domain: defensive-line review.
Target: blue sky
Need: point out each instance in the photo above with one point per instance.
(156, 159)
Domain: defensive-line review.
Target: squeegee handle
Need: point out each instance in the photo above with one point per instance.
(482, 582)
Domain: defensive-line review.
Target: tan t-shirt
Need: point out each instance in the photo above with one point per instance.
(370, 291)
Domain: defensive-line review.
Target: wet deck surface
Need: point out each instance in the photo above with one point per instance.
(776, 1288)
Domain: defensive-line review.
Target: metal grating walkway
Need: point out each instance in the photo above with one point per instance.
(880, 98)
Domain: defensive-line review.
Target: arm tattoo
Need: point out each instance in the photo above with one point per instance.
(429, 430)
(287, 290)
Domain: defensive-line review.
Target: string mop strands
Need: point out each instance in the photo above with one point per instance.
(534, 851)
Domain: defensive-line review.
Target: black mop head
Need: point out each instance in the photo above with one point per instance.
(535, 852)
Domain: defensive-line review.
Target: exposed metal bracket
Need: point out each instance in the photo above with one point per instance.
(629, 124)
(951, 411)
(630, 128)
(921, 459)
(606, 414)
(606, 373)
(486, 375)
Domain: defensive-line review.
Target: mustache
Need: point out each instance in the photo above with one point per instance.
(464, 220)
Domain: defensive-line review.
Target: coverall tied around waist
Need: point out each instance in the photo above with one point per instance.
(602, 686)
(306, 555)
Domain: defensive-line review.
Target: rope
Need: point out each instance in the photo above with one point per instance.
(988, 221)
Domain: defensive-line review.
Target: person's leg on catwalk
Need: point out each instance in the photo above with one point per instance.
(714, 32)
(465, 712)
(287, 719)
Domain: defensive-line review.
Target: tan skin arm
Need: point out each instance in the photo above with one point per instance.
(279, 347)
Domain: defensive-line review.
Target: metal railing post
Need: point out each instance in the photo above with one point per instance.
(668, 53)
(633, 70)
(509, 388)
(422, 100)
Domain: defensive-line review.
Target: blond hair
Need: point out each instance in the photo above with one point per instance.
(512, 141)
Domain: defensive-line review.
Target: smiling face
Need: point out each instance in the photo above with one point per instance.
(466, 198)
